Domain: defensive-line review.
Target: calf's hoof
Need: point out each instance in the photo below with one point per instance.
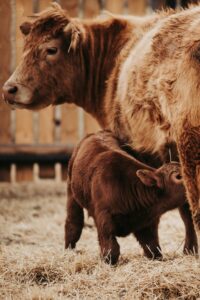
(110, 258)
(154, 255)
(190, 249)
(70, 245)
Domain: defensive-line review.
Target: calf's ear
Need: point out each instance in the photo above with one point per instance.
(73, 32)
(25, 28)
(149, 178)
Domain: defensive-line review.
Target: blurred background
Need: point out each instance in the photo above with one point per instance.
(37, 145)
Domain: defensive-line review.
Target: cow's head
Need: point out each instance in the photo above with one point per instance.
(49, 68)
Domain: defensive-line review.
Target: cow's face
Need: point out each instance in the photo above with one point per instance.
(167, 179)
(47, 70)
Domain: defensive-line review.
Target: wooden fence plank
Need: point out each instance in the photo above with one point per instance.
(71, 6)
(24, 123)
(116, 6)
(5, 63)
(91, 124)
(69, 112)
(5, 60)
(157, 4)
(69, 124)
(24, 119)
(46, 116)
(46, 122)
(24, 172)
(47, 171)
(43, 4)
(137, 7)
(5, 170)
(91, 8)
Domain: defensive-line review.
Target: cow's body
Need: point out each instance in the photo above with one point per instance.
(122, 194)
(139, 77)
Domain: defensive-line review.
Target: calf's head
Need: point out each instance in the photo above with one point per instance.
(167, 178)
(49, 45)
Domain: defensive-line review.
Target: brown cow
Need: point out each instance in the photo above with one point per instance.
(122, 194)
(139, 77)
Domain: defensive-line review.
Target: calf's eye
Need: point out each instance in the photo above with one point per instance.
(52, 51)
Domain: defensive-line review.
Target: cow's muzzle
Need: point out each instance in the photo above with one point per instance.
(10, 92)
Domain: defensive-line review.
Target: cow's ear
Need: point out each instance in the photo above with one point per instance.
(25, 28)
(74, 33)
(149, 178)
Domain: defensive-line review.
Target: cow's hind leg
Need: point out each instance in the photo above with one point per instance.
(148, 239)
(110, 249)
(74, 221)
(191, 244)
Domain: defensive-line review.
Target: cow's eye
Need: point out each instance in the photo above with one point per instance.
(52, 50)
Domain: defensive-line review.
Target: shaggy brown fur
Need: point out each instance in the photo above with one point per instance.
(123, 196)
(139, 77)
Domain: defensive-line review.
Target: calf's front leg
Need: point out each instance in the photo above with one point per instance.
(148, 239)
(74, 221)
(110, 249)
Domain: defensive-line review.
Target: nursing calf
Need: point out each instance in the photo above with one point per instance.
(122, 194)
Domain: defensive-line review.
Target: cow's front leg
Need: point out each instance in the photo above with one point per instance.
(191, 245)
(188, 143)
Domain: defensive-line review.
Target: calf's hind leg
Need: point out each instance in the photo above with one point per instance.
(74, 221)
(110, 250)
(148, 239)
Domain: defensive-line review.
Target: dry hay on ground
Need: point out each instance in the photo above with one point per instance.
(34, 265)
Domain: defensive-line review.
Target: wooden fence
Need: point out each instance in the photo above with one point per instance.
(27, 138)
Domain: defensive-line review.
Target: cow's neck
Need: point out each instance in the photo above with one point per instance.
(98, 57)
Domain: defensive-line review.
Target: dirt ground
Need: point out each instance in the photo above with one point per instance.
(34, 264)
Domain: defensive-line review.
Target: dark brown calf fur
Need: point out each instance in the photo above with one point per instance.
(123, 196)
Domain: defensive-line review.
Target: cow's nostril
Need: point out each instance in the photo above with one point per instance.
(12, 90)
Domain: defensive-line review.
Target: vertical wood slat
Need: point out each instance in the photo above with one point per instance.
(24, 172)
(91, 124)
(24, 122)
(71, 6)
(46, 122)
(24, 119)
(69, 130)
(43, 4)
(137, 7)
(5, 172)
(91, 9)
(116, 6)
(69, 112)
(47, 171)
(5, 62)
(157, 4)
